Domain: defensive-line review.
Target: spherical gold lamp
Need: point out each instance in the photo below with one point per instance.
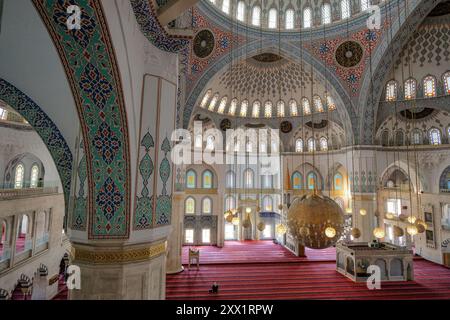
(247, 223)
(412, 219)
(398, 232)
(420, 228)
(310, 215)
(330, 232)
(403, 217)
(356, 233)
(235, 221)
(422, 223)
(390, 215)
(379, 233)
(280, 206)
(261, 226)
(363, 212)
(229, 218)
(281, 229)
(412, 230)
(228, 212)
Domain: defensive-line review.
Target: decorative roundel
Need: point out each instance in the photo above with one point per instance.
(204, 43)
(286, 127)
(349, 54)
(225, 124)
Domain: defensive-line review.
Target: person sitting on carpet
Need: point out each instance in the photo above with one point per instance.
(214, 288)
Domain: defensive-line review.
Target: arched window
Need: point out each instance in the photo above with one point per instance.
(330, 103)
(318, 106)
(399, 138)
(365, 5)
(312, 180)
(21, 241)
(290, 19)
(19, 175)
(299, 145)
(268, 109)
(323, 144)
(311, 145)
(3, 114)
(267, 181)
(191, 179)
(267, 203)
(207, 179)
(206, 99)
(189, 206)
(416, 137)
(213, 103)
(34, 176)
(306, 106)
(230, 203)
(244, 108)
(263, 147)
(435, 137)
(410, 89)
(446, 78)
(273, 18)
(338, 182)
(222, 105)
(345, 9)
(280, 109)
(256, 109)
(2, 237)
(206, 206)
(307, 18)
(249, 147)
(231, 179)
(226, 6)
(391, 91)
(297, 180)
(326, 13)
(293, 107)
(429, 87)
(233, 107)
(256, 16)
(249, 177)
(240, 13)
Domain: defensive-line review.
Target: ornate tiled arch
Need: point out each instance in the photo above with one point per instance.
(152, 29)
(287, 49)
(46, 129)
(91, 68)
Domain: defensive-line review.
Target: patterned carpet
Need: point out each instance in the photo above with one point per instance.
(255, 252)
(294, 278)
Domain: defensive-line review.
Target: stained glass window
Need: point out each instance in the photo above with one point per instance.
(206, 98)
(416, 137)
(268, 109)
(273, 17)
(345, 9)
(365, 4)
(233, 107)
(207, 179)
(391, 91)
(230, 179)
(280, 109)
(268, 203)
(226, 6)
(338, 182)
(323, 144)
(191, 179)
(189, 206)
(256, 109)
(311, 145)
(214, 100)
(293, 107)
(248, 178)
(330, 103)
(447, 82)
(306, 106)
(435, 137)
(222, 105)
(244, 108)
(312, 179)
(206, 206)
(429, 87)
(318, 104)
(297, 181)
(410, 89)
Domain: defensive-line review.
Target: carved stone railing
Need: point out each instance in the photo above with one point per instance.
(9, 194)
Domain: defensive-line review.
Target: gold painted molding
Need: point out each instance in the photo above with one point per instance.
(122, 256)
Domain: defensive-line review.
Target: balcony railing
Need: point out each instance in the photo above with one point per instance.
(8, 194)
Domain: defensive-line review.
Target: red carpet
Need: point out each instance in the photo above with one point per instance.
(63, 291)
(302, 279)
(255, 252)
